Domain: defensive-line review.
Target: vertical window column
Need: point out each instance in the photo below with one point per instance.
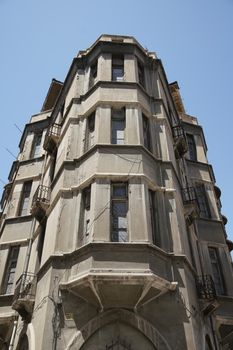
(117, 68)
(25, 197)
(154, 217)
(36, 145)
(85, 215)
(119, 209)
(146, 132)
(141, 74)
(90, 133)
(191, 147)
(10, 270)
(93, 73)
(118, 127)
(202, 200)
(216, 270)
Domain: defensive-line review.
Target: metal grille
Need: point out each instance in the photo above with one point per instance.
(178, 132)
(42, 194)
(189, 195)
(25, 286)
(205, 287)
(54, 130)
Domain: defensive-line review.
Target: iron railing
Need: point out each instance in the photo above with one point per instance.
(42, 195)
(25, 287)
(178, 132)
(189, 195)
(205, 287)
(54, 130)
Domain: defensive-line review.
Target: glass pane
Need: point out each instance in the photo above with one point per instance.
(117, 73)
(119, 190)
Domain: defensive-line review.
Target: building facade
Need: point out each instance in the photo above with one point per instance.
(111, 231)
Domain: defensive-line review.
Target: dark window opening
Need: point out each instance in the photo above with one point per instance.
(90, 133)
(141, 74)
(118, 68)
(84, 228)
(216, 270)
(93, 74)
(202, 200)
(153, 206)
(118, 127)
(36, 145)
(146, 132)
(10, 270)
(119, 210)
(192, 147)
(24, 199)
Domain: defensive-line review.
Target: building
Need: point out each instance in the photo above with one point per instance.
(111, 233)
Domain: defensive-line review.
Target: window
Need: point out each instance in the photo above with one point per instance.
(119, 209)
(118, 126)
(117, 68)
(216, 270)
(24, 200)
(35, 151)
(154, 217)
(90, 134)
(146, 132)
(93, 74)
(85, 215)
(191, 147)
(141, 75)
(10, 270)
(202, 200)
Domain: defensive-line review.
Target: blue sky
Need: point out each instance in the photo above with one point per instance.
(39, 38)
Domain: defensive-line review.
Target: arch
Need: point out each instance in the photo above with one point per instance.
(121, 316)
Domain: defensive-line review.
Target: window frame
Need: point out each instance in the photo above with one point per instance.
(153, 208)
(217, 272)
(36, 148)
(93, 73)
(119, 199)
(202, 201)
(24, 199)
(141, 73)
(90, 131)
(118, 64)
(192, 148)
(11, 260)
(84, 224)
(115, 140)
(146, 132)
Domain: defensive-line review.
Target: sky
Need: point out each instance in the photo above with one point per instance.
(39, 38)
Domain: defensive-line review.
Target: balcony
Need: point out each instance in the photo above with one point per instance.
(190, 202)
(24, 296)
(180, 143)
(111, 279)
(52, 137)
(206, 293)
(40, 202)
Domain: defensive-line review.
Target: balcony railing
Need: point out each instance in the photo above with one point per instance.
(205, 288)
(40, 202)
(189, 195)
(180, 142)
(24, 296)
(52, 137)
